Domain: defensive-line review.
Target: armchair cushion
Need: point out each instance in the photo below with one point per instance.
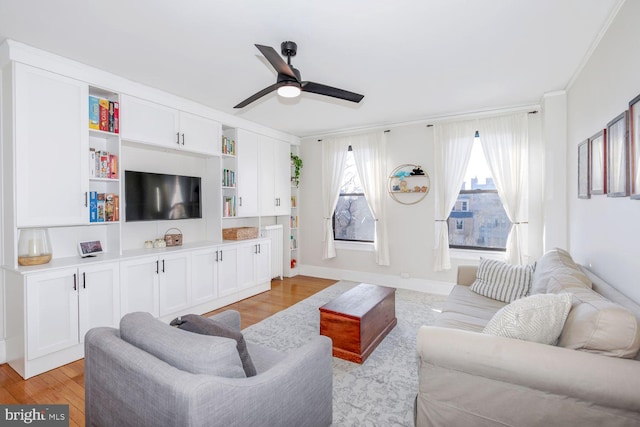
(198, 354)
(207, 326)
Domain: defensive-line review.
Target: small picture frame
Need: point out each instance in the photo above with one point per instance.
(584, 170)
(618, 157)
(598, 163)
(634, 147)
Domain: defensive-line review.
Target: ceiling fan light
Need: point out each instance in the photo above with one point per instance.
(289, 91)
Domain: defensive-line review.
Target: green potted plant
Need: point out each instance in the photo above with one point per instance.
(297, 164)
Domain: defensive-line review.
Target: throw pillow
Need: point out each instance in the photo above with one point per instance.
(501, 281)
(198, 354)
(205, 326)
(538, 318)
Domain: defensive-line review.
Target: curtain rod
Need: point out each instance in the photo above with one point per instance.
(529, 112)
(385, 131)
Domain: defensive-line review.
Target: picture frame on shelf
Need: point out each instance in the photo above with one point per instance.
(584, 167)
(634, 147)
(618, 156)
(598, 163)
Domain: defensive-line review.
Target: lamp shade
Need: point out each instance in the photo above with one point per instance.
(34, 246)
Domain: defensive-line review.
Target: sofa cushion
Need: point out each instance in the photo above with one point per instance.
(206, 326)
(198, 354)
(559, 265)
(537, 318)
(597, 325)
(463, 300)
(501, 281)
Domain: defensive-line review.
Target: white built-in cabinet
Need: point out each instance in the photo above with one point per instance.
(64, 304)
(247, 173)
(155, 124)
(160, 285)
(227, 268)
(275, 191)
(204, 275)
(51, 127)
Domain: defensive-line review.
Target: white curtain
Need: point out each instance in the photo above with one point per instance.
(453, 144)
(369, 153)
(334, 156)
(505, 144)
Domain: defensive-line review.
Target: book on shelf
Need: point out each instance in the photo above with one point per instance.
(92, 162)
(228, 146)
(102, 164)
(294, 201)
(94, 113)
(100, 207)
(116, 207)
(108, 207)
(113, 166)
(93, 206)
(229, 206)
(104, 114)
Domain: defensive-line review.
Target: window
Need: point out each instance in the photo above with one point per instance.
(352, 219)
(478, 219)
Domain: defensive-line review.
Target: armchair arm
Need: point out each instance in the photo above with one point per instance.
(230, 318)
(466, 274)
(603, 380)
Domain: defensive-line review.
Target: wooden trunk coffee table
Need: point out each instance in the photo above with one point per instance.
(358, 320)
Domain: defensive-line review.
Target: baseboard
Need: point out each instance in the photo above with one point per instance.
(413, 284)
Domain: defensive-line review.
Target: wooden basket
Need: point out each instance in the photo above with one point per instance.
(240, 233)
(173, 239)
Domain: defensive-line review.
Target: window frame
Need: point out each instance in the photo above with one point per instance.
(475, 248)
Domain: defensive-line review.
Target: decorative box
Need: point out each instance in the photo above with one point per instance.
(240, 233)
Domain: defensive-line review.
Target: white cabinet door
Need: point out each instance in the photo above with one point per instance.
(148, 122)
(275, 187)
(247, 155)
(204, 275)
(262, 262)
(99, 294)
(52, 315)
(51, 144)
(246, 267)
(139, 285)
(227, 269)
(199, 134)
(282, 178)
(175, 282)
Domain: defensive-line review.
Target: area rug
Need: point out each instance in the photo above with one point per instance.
(381, 391)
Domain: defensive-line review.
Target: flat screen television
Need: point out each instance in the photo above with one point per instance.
(156, 196)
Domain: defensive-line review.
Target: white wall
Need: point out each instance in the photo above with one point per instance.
(604, 232)
(410, 227)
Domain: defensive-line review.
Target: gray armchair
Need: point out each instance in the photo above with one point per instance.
(128, 386)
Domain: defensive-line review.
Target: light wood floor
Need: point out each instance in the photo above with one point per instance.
(65, 385)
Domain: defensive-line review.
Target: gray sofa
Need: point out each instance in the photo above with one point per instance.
(126, 385)
(470, 378)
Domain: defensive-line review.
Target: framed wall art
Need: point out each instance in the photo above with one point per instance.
(584, 172)
(617, 157)
(598, 163)
(634, 147)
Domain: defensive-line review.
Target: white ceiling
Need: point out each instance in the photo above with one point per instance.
(412, 59)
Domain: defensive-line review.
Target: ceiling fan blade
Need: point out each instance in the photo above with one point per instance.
(321, 89)
(276, 61)
(257, 96)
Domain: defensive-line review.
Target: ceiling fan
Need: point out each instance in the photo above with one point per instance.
(289, 84)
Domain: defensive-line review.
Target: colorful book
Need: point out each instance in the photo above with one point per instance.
(109, 211)
(104, 164)
(93, 206)
(94, 113)
(104, 114)
(100, 207)
(116, 117)
(111, 117)
(116, 207)
(113, 166)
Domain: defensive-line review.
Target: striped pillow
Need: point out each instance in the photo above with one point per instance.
(501, 281)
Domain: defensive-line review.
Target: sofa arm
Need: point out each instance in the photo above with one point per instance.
(603, 380)
(229, 318)
(466, 274)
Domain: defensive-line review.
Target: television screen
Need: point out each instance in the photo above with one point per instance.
(155, 196)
